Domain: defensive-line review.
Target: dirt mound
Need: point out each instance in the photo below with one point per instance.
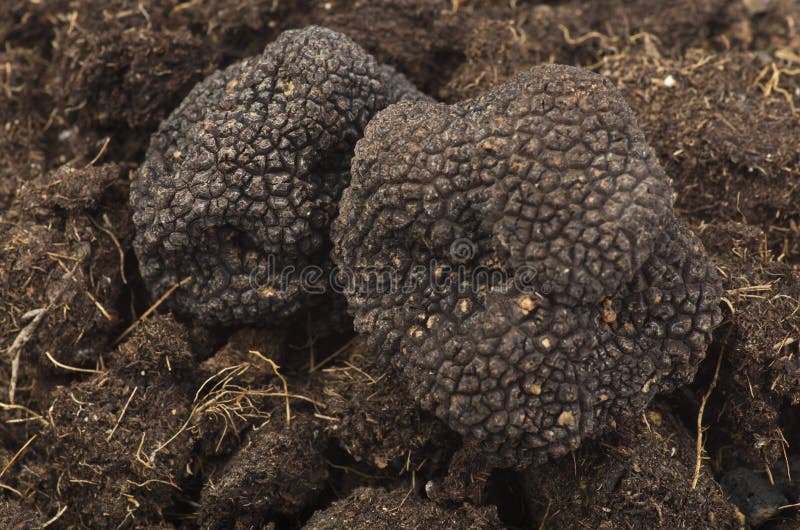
(644, 474)
(21, 119)
(256, 481)
(756, 408)
(368, 508)
(375, 420)
(62, 266)
(729, 136)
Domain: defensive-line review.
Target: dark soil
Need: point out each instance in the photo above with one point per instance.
(176, 425)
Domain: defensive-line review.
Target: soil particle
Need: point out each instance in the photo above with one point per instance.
(13, 515)
(114, 444)
(467, 479)
(640, 477)
(239, 28)
(375, 420)
(501, 42)
(728, 137)
(753, 494)
(21, 119)
(256, 482)
(238, 349)
(760, 368)
(68, 190)
(386, 29)
(238, 389)
(62, 265)
(674, 26)
(375, 509)
(106, 55)
(768, 25)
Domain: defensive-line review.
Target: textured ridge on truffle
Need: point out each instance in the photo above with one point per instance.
(597, 297)
(243, 179)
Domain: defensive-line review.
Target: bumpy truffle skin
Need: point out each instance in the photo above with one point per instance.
(575, 294)
(243, 179)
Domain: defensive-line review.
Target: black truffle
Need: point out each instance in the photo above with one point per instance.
(241, 182)
(518, 257)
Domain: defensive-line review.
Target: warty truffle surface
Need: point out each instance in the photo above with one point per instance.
(574, 293)
(240, 184)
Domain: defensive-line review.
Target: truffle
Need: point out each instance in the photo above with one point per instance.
(240, 183)
(518, 257)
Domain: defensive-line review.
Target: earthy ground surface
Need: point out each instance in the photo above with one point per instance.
(176, 425)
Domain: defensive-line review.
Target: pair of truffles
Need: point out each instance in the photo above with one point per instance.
(561, 290)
